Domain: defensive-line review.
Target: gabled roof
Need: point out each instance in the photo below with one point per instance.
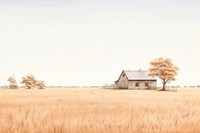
(137, 75)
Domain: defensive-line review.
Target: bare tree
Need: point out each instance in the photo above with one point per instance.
(163, 69)
(30, 82)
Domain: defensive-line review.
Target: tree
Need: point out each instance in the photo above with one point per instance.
(163, 69)
(13, 83)
(30, 82)
(40, 84)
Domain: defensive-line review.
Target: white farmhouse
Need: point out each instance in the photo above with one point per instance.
(135, 79)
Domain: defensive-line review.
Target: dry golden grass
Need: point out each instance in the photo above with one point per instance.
(99, 111)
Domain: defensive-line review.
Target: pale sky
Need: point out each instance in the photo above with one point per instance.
(89, 42)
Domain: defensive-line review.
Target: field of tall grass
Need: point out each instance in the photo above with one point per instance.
(99, 111)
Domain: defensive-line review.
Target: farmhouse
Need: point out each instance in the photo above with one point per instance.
(138, 79)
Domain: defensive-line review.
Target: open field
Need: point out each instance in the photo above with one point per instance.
(99, 111)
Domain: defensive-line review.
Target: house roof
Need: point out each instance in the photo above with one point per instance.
(137, 75)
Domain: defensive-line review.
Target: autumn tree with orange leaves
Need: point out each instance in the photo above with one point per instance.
(163, 69)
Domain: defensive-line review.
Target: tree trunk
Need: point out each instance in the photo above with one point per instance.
(163, 88)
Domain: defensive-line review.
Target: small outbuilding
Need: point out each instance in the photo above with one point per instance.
(135, 79)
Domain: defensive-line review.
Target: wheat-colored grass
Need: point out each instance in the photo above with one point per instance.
(99, 111)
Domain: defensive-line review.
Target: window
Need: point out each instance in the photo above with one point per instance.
(136, 84)
(146, 84)
(123, 75)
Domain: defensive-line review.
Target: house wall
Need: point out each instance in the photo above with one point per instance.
(123, 82)
(151, 85)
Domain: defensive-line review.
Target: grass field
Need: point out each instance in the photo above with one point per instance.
(99, 111)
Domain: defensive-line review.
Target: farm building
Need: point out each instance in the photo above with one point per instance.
(138, 79)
